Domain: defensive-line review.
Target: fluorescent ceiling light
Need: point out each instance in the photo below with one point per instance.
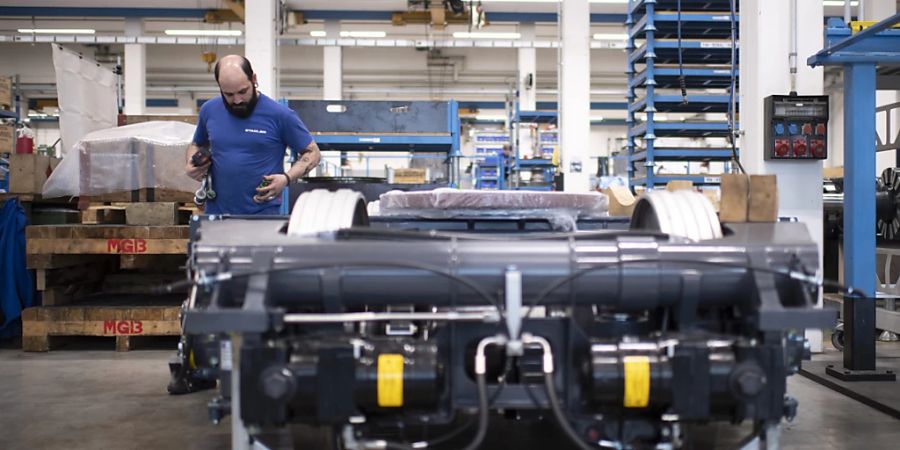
(491, 117)
(515, 1)
(610, 37)
(203, 32)
(485, 35)
(596, 118)
(363, 34)
(351, 34)
(57, 30)
(838, 3)
(620, 2)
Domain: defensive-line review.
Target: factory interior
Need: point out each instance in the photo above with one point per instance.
(450, 224)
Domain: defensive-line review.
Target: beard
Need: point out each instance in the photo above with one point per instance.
(244, 109)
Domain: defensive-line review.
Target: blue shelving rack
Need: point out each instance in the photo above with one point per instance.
(655, 79)
(489, 173)
(544, 165)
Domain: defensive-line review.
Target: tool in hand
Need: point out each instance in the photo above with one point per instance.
(199, 158)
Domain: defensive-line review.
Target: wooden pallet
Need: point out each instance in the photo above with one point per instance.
(106, 240)
(43, 323)
(146, 213)
(142, 195)
(74, 261)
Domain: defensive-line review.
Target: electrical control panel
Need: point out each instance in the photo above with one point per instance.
(796, 127)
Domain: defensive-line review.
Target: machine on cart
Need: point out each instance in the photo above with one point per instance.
(402, 336)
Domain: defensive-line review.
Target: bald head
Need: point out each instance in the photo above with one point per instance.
(230, 63)
(237, 82)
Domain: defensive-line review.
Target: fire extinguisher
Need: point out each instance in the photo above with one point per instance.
(25, 141)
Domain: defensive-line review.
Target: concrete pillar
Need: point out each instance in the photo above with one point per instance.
(261, 44)
(187, 104)
(332, 76)
(834, 87)
(574, 93)
(765, 71)
(135, 69)
(879, 10)
(527, 91)
(527, 66)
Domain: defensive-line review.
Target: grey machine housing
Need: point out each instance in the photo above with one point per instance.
(540, 323)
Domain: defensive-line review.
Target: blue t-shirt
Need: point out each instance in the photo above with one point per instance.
(243, 150)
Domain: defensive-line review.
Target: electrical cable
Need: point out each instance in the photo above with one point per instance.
(449, 436)
(732, 138)
(482, 413)
(561, 418)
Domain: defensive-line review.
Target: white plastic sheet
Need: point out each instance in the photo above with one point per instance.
(86, 93)
(561, 209)
(143, 155)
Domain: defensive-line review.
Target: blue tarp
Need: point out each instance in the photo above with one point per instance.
(16, 289)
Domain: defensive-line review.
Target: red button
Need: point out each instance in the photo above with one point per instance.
(820, 128)
(799, 147)
(807, 128)
(781, 147)
(818, 148)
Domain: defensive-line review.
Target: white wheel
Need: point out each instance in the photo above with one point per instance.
(685, 214)
(321, 211)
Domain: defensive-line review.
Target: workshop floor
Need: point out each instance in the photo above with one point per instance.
(87, 396)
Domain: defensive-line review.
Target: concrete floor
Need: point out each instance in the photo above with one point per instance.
(88, 396)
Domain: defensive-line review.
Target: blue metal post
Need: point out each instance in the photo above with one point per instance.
(859, 219)
(286, 194)
(454, 153)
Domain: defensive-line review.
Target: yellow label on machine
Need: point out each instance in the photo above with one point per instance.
(390, 380)
(637, 381)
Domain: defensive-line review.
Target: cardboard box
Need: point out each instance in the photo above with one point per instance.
(763, 205)
(679, 185)
(410, 176)
(28, 173)
(7, 139)
(621, 201)
(833, 172)
(6, 93)
(735, 198)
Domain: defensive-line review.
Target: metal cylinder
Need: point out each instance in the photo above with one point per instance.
(608, 377)
(421, 374)
(630, 273)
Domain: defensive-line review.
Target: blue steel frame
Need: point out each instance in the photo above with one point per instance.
(645, 20)
(375, 142)
(859, 55)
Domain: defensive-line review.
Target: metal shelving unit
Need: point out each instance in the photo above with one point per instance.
(660, 63)
(489, 173)
(542, 169)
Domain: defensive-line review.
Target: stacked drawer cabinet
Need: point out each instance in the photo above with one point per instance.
(678, 88)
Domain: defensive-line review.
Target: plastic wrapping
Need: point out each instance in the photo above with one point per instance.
(561, 209)
(143, 155)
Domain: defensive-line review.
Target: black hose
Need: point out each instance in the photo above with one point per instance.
(482, 413)
(561, 418)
